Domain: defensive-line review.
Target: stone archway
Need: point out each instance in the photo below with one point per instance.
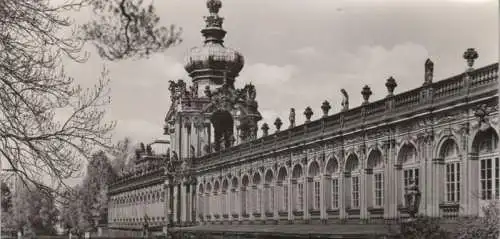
(223, 124)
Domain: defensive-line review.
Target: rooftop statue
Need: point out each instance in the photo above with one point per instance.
(291, 117)
(345, 100)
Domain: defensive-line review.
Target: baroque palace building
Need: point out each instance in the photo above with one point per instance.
(352, 166)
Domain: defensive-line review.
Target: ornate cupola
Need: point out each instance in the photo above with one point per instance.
(213, 63)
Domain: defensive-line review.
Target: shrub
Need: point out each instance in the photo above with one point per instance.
(486, 227)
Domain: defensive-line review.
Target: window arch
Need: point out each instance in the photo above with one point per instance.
(313, 169)
(245, 202)
(376, 165)
(223, 196)
(332, 166)
(233, 195)
(352, 166)
(407, 156)
(257, 192)
(449, 154)
(332, 169)
(485, 146)
(281, 179)
(315, 198)
(282, 174)
(297, 174)
(269, 176)
(352, 163)
(297, 171)
(268, 192)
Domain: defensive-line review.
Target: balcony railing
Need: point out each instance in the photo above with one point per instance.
(483, 79)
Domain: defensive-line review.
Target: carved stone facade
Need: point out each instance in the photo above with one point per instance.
(353, 165)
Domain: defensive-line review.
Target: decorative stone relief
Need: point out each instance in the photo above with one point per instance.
(450, 116)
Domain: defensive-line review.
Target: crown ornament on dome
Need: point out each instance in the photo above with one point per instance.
(213, 60)
(214, 6)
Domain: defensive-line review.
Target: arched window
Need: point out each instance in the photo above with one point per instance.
(449, 154)
(485, 145)
(282, 174)
(268, 192)
(407, 156)
(201, 208)
(314, 175)
(234, 196)
(352, 166)
(225, 186)
(257, 193)
(215, 199)
(245, 195)
(297, 175)
(332, 169)
(208, 200)
(376, 166)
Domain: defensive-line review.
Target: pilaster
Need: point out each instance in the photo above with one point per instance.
(322, 199)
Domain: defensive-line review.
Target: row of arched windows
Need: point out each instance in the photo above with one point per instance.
(257, 196)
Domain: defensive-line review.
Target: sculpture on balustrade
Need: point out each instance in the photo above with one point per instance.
(412, 198)
(291, 117)
(429, 71)
(149, 150)
(345, 100)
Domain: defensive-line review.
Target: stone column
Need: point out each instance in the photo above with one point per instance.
(439, 184)
(194, 203)
(292, 189)
(277, 192)
(175, 201)
(243, 203)
(474, 191)
(342, 203)
(307, 197)
(369, 189)
(208, 206)
(398, 191)
(322, 198)
(224, 204)
(363, 203)
(347, 193)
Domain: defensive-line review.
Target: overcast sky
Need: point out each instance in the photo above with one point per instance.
(299, 53)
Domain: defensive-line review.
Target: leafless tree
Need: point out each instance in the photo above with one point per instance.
(49, 125)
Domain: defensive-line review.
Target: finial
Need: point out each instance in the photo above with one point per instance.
(325, 107)
(214, 6)
(366, 92)
(308, 113)
(470, 55)
(429, 71)
(213, 31)
(391, 85)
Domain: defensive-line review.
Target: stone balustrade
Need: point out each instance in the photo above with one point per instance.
(469, 84)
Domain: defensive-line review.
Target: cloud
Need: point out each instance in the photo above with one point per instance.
(265, 74)
(138, 129)
(307, 52)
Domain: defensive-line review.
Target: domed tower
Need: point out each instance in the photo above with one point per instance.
(213, 63)
(211, 114)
